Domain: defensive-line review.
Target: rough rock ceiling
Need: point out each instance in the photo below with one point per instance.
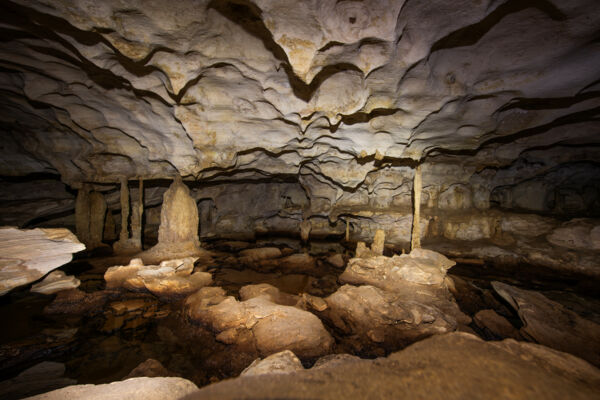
(95, 90)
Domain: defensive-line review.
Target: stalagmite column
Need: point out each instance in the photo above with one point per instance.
(416, 226)
(347, 230)
(124, 236)
(97, 214)
(82, 214)
(136, 217)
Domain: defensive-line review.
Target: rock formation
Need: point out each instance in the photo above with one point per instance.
(551, 324)
(451, 366)
(134, 389)
(27, 255)
(55, 282)
(258, 324)
(170, 279)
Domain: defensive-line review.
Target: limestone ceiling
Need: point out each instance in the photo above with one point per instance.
(95, 90)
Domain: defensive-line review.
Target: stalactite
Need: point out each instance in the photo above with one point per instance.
(347, 230)
(416, 226)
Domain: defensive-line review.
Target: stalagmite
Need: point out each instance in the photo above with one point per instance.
(127, 245)
(378, 242)
(178, 231)
(136, 217)
(124, 211)
(416, 227)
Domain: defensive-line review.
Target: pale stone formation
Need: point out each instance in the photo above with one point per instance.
(452, 366)
(283, 362)
(55, 282)
(178, 230)
(400, 300)
(258, 324)
(378, 244)
(305, 228)
(134, 389)
(551, 324)
(170, 279)
(27, 255)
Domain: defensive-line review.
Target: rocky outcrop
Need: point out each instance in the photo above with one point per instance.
(551, 324)
(134, 388)
(55, 282)
(258, 324)
(451, 366)
(27, 255)
(170, 279)
(400, 300)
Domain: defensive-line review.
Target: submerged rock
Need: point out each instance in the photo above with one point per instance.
(451, 366)
(551, 324)
(258, 324)
(170, 279)
(131, 389)
(28, 254)
(55, 282)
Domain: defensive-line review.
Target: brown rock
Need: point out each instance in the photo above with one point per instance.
(150, 368)
(551, 324)
(496, 324)
(283, 362)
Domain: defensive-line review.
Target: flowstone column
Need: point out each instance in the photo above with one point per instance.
(416, 226)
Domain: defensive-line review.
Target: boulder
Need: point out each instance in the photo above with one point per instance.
(54, 282)
(26, 255)
(150, 368)
(498, 326)
(283, 362)
(391, 319)
(551, 324)
(131, 389)
(272, 327)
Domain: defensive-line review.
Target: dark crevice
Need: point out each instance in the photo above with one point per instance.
(469, 35)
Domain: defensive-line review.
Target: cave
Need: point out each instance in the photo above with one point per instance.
(277, 199)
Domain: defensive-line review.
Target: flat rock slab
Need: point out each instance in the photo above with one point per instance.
(551, 324)
(54, 282)
(28, 254)
(445, 367)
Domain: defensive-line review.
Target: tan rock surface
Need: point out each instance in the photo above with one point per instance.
(27, 255)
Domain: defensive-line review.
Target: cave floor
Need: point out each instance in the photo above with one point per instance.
(134, 327)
